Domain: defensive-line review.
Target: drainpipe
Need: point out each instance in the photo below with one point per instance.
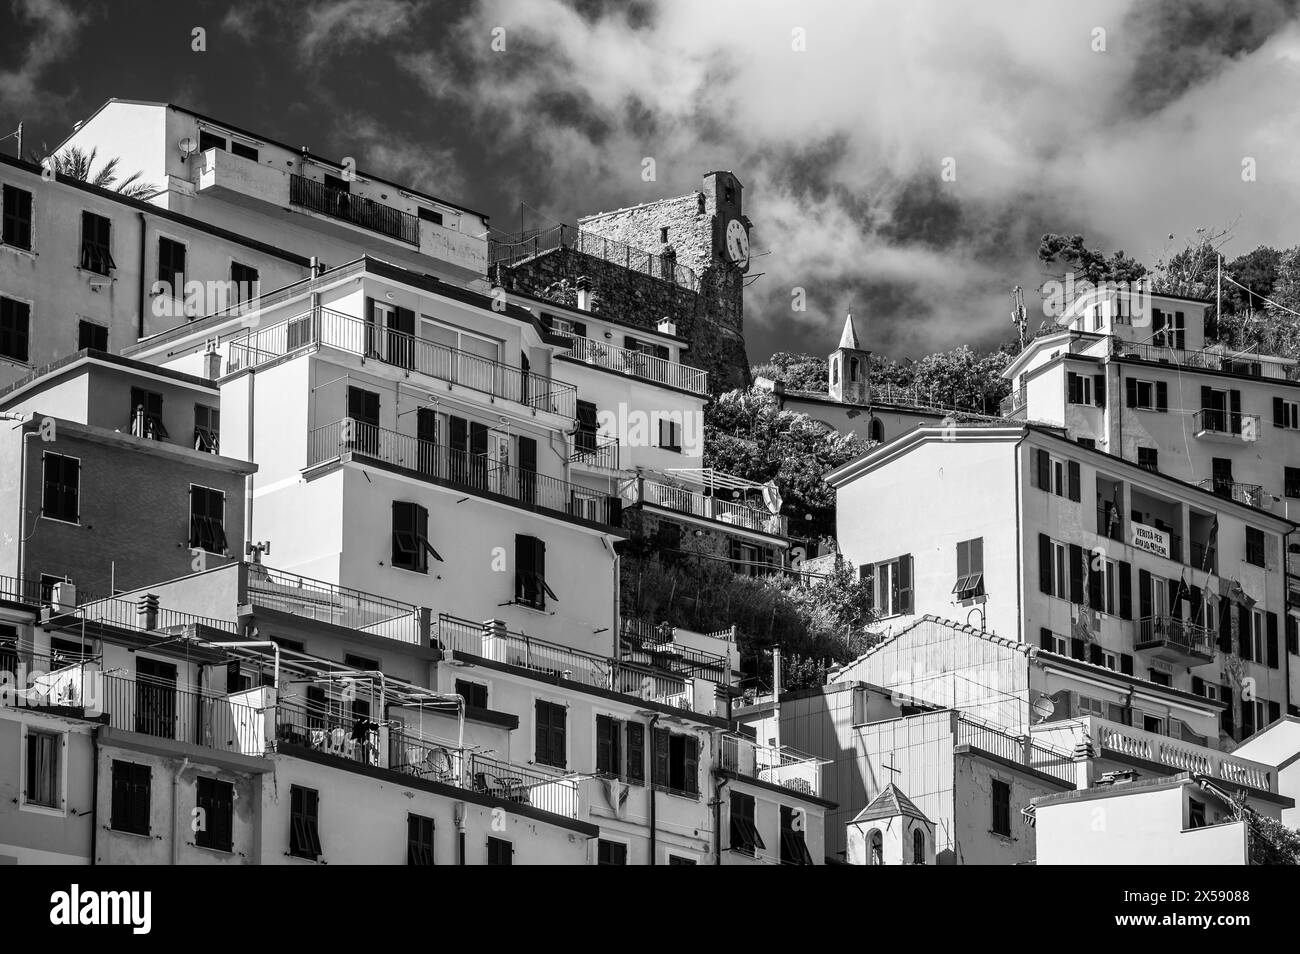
(144, 228)
(653, 839)
(176, 788)
(1015, 476)
(22, 485)
(248, 478)
(94, 792)
(460, 833)
(717, 821)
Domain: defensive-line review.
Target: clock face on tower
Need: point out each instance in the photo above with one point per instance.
(737, 243)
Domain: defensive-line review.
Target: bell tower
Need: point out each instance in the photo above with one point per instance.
(849, 368)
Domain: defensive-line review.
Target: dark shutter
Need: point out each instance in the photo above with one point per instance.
(607, 745)
(1279, 412)
(1271, 640)
(1095, 655)
(1162, 396)
(1225, 717)
(1076, 573)
(1045, 564)
(1176, 594)
(1126, 664)
(1125, 590)
(1198, 686)
(1096, 591)
(1292, 635)
(1243, 632)
(1247, 718)
(1073, 468)
(660, 758)
(1099, 390)
(691, 765)
(905, 584)
(636, 751)
(1274, 712)
(1046, 640)
(1144, 594)
(1234, 407)
(1043, 469)
(1130, 392)
(1225, 625)
(1076, 648)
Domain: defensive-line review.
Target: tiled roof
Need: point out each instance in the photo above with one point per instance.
(890, 803)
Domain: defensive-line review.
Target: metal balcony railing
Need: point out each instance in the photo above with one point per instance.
(1015, 402)
(161, 709)
(355, 209)
(638, 364)
(1176, 633)
(781, 766)
(475, 472)
(509, 249)
(1019, 750)
(1252, 495)
(322, 326)
(1179, 756)
(684, 500)
(513, 783)
(595, 451)
(1211, 360)
(1216, 421)
(17, 590)
(340, 605)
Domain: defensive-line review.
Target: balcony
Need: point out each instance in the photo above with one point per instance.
(463, 470)
(1019, 750)
(1209, 359)
(1110, 523)
(1226, 426)
(683, 680)
(323, 327)
(698, 503)
(354, 209)
(317, 600)
(511, 249)
(1175, 640)
(1014, 405)
(591, 450)
(1203, 556)
(639, 365)
(776, 766)
(1252, 495)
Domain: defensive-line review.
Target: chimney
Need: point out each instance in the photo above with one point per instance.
(584, 293)
(212, 361)
(667, 325)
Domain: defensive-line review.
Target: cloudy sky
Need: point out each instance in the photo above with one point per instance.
(1127, 120)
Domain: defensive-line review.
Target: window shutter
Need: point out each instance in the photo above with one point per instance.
(905, 584)
(692, 765)
(1126, 664)
(1144, 594)
(1099, 390)
(1279, 412)
(1076, 648)
(977, 555)
(636, 751)
(604, 749)
(1207, 398)
(1225, 718)
(1076, 573)
(1243, 632)
(1162, 396)
(542, 750)
(963, 558)
(1198, 686)
(1095, 655)
(1130, 392)
(1125, 590)
(1247, 718)
(1096, 592)
(1271, 640)
(1234, 406)
(1274, 712)
(1043, 469)
(1073, 467)
(1045, 639)
(1225, 625)
(660, 757)
(1045, 564)
(579, 328)
(1292, 635)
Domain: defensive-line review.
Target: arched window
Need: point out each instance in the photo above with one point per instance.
(918, 846)
(877, 430)
(835, 371)
(853, 370)
(875, 848)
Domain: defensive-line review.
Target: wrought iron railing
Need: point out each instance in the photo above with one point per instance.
(323, 326)
(1211, 360)
(514, 783)
(768, 763)
(1252, 495)
(509, 249)
(639, 364)
(355, 209)
(340, 605)
(476, 472)
(1019, 750)
(161, 709)
(1217, 421)
(595, 451)
(685, 500)
(1170, 630)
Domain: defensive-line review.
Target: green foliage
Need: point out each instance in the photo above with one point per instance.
(1087, 263)
(746, 435)
(812, 620)
(76, 163)
(800, 372)
(1271, 842)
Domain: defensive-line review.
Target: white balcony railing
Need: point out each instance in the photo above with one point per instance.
(639, 365)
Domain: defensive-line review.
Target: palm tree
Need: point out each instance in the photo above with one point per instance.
(76, 163)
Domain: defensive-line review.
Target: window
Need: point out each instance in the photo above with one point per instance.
(208, 520)
(663, 234)
(970, 569)
(876, 430)
(680, 860)
(1110, 660)
(1001, 807)
(91, 335)
(1148, 458)
(1254, 546)
(363, 409)
(1170, 329)
(1054, 475)
(207, 429)
(500, 852)
(875, 848)
(1291, 481)
(130, 804)
(411, 546)
(96, 232)
(419, 840)
(531, 588)
(745, 838)
(217, 801)
(147, 414)
(1049, 641)
(171, 266)
(244, 283)
(475, 694)
(609, 732)
(670, 434)
(585, 438)
(429, 215)
(1286, 413)
(1146, 395)
(1088, 706)
(747, 558)
(1081, 388)
(893, 587)
(43, 771)
(210, 140)
(635, 752)
(918, 846)
(1195, 813)
(550, 720)
(16, 224)
(676, 762)
(243, 150)
(304, 831)
(61, 488)
(1256, 636)
(794, 848)
(611, 852)
(15, 328)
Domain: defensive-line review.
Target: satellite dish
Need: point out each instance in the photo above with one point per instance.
(187, 147)
(1043, 707)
